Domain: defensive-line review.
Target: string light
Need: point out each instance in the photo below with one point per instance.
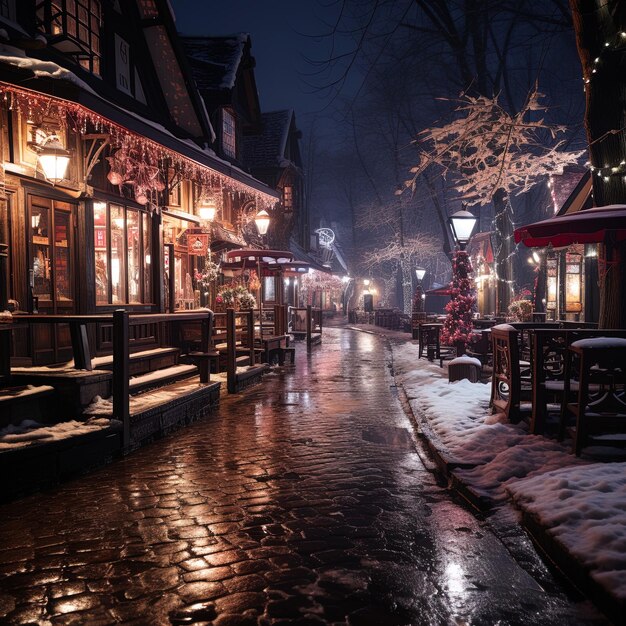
(609, 46)
(76, 117)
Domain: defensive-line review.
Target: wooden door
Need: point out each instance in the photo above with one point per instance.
(52, 276)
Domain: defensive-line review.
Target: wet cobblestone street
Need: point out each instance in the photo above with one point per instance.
(302, 501)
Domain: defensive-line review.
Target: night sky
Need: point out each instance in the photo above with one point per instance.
(282, 35)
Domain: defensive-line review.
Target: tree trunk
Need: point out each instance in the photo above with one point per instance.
(503, 242)
(597, 23)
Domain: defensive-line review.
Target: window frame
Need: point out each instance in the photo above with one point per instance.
(75, 27)
(144, 236)
(229, 133)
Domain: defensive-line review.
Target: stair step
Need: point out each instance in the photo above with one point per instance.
(21, 402)
(161, 377)
(142, 362)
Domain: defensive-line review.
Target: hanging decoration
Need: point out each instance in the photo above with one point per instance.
(457, 326)
(209, 273)
(142, 162)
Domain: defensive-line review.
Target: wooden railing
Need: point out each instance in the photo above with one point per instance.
(120, 321)
(307, 322)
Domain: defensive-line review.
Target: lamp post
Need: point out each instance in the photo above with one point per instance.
(457, 326)
(418, 297)
(262, 222)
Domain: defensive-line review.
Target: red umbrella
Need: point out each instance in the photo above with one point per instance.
(586, 226)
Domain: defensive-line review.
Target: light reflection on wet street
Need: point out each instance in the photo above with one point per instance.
(303, 501)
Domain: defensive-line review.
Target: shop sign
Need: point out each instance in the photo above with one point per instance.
(198, 244)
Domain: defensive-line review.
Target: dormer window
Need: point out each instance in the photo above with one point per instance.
(73, 27)
(229, 140)
(288, 198)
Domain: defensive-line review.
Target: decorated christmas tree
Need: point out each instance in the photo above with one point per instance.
(458, 323)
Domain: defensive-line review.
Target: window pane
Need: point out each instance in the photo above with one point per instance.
(100, 246)
(134, 260)
(147, 256)
(62, 271)
(118, 255)
(228, 134)
(40, 231)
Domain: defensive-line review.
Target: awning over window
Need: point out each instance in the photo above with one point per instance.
(588, 226)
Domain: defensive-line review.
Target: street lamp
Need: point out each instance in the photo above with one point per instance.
(53, 158)
(418, 297)
(262, 221)
(207, 209)
(458, 324)
(462, 224)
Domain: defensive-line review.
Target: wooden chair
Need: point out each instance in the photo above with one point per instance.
(510, 390)
(599, 414)
(429, 341)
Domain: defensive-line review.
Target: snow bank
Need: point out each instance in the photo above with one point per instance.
(583, 504)
(28, 432)
(584, 509)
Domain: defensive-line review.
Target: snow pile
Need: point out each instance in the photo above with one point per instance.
(28, 432)
(582, 504)
(584, 509)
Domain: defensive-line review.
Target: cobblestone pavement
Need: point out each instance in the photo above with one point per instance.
(303, 501)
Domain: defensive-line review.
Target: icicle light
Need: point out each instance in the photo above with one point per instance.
(76, 117)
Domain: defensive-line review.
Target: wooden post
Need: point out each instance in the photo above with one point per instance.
(249, 316)
(285, 317)
(171, 284)
(309, 326)
(80, 347)
(121, 400)
(206, 329)
(231, 351)
(277, 330)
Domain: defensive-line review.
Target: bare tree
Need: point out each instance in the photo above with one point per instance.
(493, 154)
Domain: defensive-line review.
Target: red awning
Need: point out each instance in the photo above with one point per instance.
(587, 226)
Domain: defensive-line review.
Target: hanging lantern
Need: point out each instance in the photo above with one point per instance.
(262, 221)
(53, 159)
(207, 210)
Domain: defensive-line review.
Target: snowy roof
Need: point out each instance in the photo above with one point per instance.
(214, 61)
(268, 148)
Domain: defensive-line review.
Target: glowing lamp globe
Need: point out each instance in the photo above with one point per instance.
(262, 221)
(53, 159)
(420, 272)
(462, 224)
(207, 210)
